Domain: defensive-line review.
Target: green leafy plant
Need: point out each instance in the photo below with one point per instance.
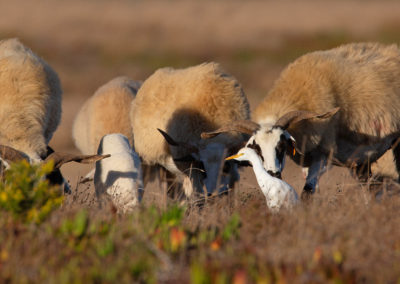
(26, 194)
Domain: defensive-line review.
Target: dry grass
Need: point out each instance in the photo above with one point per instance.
(343, 236)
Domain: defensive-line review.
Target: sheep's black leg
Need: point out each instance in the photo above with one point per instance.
(396, 154)
(317, 168)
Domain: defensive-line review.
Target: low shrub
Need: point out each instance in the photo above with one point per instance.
(25, 193)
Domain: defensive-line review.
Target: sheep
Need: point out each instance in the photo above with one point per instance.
(119, 175)
(182, 103)
(341, 103)
(277, 193)
(30, 109)
(30, 96)
(106, 112)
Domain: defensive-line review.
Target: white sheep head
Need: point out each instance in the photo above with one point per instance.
(271, 140)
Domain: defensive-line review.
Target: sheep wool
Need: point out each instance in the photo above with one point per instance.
(107, 111)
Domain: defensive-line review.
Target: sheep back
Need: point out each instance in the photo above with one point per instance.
(185, 102)
(107, 111)
(30, 99)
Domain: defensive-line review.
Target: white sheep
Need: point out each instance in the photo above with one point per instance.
(183, 103)
(30, 109)
(106, 112)
(342, 102)
(277, 193)
(120, 175)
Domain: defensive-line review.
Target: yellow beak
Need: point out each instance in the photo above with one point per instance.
(234, 156)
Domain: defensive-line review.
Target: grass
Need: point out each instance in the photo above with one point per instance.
(339, 237)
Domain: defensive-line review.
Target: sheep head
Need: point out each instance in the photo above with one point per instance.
(9, 155)
(272, 141)
(210, 154)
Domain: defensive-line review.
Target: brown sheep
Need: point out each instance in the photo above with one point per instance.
(106, 112)
(183, 103)
(30, 100)
(30, 110)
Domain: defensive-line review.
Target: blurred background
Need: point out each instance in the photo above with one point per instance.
(90, 42)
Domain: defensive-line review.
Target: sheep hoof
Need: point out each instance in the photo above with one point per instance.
(67, 188)
(307, 193)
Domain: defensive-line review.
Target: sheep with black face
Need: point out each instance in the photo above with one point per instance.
(183, 103)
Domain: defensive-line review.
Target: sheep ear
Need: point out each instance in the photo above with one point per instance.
(242, 126)
(62, 158)
(11, 154)
(293, 117)
(172, 142)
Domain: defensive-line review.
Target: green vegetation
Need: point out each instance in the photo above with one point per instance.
(26, 194)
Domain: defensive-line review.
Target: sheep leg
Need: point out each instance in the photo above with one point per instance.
(396, 154)
(163, 184)
(149, 173)
(317, 168)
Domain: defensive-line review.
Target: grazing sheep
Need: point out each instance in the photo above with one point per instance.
(120, 175)
(30, 109)
(30, 100)
(106, 112)
(277, 193)
(183, 103)
(342, 102)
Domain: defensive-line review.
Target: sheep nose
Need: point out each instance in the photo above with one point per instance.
(277, 174)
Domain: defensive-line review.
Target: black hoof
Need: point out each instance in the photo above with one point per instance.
(307, 193)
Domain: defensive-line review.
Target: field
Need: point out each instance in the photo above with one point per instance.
(349, 233)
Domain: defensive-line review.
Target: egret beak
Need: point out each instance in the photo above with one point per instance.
(234, 156)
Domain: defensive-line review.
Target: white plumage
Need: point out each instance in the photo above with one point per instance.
(120, 175)
(277, 192)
